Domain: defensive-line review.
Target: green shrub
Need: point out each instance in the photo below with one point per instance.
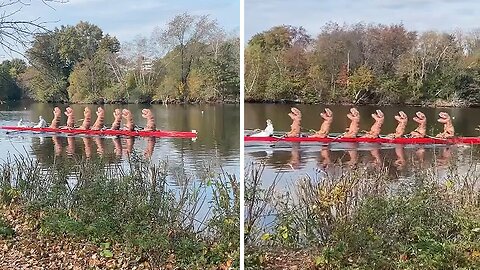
(406, 231)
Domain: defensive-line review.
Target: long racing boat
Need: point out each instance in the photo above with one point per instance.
(427, 140)
(107, 132)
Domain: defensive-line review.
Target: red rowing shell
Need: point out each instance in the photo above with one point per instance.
(108, 132)
(457, 140)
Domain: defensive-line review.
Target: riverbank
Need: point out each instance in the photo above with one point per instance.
(116, 217)
(439, 103)
(364, 219)
(125, 102)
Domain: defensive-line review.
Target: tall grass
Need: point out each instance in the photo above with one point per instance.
(365, 219)
(133, 205)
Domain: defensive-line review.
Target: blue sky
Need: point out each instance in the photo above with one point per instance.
(126, 19)
(419, 15)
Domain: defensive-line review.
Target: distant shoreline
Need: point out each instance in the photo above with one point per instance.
(428, 104)
(227, 101)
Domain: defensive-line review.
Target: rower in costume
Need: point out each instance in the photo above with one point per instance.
(325, 127)
(376, 128)
(354, 127)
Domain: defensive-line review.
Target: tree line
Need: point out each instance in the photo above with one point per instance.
(191, 59)
(363, 63)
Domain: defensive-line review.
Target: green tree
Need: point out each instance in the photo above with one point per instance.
(429, 70)
(9, 71)
(55, 54)
(256, 65)
(90, 79)
(49, 82)
(222, 71)
(276, 64)
(189, 35)
(361, 84)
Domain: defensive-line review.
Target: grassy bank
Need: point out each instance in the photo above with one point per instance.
(365, 220)
(90, 214)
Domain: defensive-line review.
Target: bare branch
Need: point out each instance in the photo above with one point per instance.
(16, 35)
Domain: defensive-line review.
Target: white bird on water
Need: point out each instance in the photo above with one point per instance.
(41, 123)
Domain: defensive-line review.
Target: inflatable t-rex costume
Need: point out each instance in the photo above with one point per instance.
(296, 116)
(57, 114)
(98, 125)
(421, 130)
(448, 129)
(354, 127)
(117, 119)
(127, 115)
(147, 114)
(70, 118)
(325, 127)
(377, 126)
(402, 119)
(87, 119)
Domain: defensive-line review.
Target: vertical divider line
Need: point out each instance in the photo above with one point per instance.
(242, 126)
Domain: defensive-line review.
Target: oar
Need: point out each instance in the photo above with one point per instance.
(389, 138)
(278, 139)
(138, 128)
(252, 131)
(13, 132)
(282, 137)
(437, 138)
(16, 131)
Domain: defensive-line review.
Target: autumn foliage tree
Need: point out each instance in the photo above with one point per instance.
(55, 55)
(362, 63)
(276, 64)
(191, 59)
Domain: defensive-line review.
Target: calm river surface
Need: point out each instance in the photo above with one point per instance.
(292, 161)
(216, 148)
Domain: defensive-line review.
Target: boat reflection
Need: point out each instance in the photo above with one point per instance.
(70, 146)
(57, 146)
(100, 146)
(87, 146)
(397, 159)
(114, 148)
(400, 162)
(353, 157)
(129, 141)
(324, 159)
(445, 158)
(147, 153)
(117, 144)
(294, 161)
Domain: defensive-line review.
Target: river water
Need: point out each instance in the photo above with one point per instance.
(215, 149)
(292, 161)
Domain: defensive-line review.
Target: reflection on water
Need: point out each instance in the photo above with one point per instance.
(217, 144)
(295, 160)
(113, 149)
